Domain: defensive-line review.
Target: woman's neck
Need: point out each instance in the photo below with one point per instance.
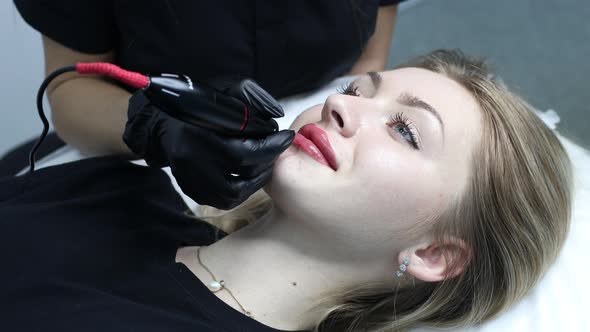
(279, 271)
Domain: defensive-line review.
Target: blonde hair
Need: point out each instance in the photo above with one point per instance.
(514, 216)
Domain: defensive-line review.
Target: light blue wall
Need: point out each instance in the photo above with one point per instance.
(541, 48)
(21, 73)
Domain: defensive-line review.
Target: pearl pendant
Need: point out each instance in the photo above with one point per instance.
(216, 285)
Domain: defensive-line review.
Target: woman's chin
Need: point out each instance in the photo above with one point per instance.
(297, 177)
(290, 174)
(294, 168)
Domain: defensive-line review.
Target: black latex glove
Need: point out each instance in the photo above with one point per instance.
(201, 160)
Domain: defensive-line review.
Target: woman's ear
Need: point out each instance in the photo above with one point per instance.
(433, 261)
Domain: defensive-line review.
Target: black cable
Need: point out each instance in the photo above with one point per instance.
(40, 94)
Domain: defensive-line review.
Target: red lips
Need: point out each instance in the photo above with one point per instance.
(314, 141)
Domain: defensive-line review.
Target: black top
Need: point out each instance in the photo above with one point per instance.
(91, 245)
(287, 46)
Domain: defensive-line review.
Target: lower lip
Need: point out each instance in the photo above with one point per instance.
(309, 148)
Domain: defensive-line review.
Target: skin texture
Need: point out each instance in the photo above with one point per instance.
(352, 226)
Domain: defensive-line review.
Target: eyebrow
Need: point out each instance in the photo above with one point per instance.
(375, 79)
(410, 100)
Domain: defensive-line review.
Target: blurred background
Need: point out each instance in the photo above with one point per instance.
(540, 48)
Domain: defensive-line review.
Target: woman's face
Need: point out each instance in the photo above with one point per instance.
(402, 141)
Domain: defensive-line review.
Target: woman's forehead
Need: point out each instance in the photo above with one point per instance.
(423, 81)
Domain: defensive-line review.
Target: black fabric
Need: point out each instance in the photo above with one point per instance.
(286, 46)
(91, 245)
(17, 158)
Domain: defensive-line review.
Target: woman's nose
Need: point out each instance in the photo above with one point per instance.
(337, 114)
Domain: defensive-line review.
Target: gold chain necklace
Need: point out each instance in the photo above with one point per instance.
(215, 286)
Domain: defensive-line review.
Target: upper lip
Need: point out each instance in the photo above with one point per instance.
(320, 138)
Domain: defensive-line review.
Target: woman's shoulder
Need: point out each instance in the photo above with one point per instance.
(109, 191)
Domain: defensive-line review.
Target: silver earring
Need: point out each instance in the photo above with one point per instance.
(402, 268)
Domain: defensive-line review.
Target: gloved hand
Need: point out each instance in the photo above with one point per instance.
(205, 163)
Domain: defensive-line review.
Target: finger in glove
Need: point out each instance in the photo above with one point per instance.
(244, 188)
(247, 152)
(261, 102)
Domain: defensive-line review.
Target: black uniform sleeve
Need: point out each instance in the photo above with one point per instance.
(389, 2)
(87, 26)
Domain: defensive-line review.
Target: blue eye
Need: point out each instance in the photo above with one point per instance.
(402, 126)
(404, 131)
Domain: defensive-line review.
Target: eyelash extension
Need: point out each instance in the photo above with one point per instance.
(348, 89)
(400, 118)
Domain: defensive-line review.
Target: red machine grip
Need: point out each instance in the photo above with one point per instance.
(133, 79)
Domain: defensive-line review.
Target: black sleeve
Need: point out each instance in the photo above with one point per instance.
(87, 26)
(389, 2)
